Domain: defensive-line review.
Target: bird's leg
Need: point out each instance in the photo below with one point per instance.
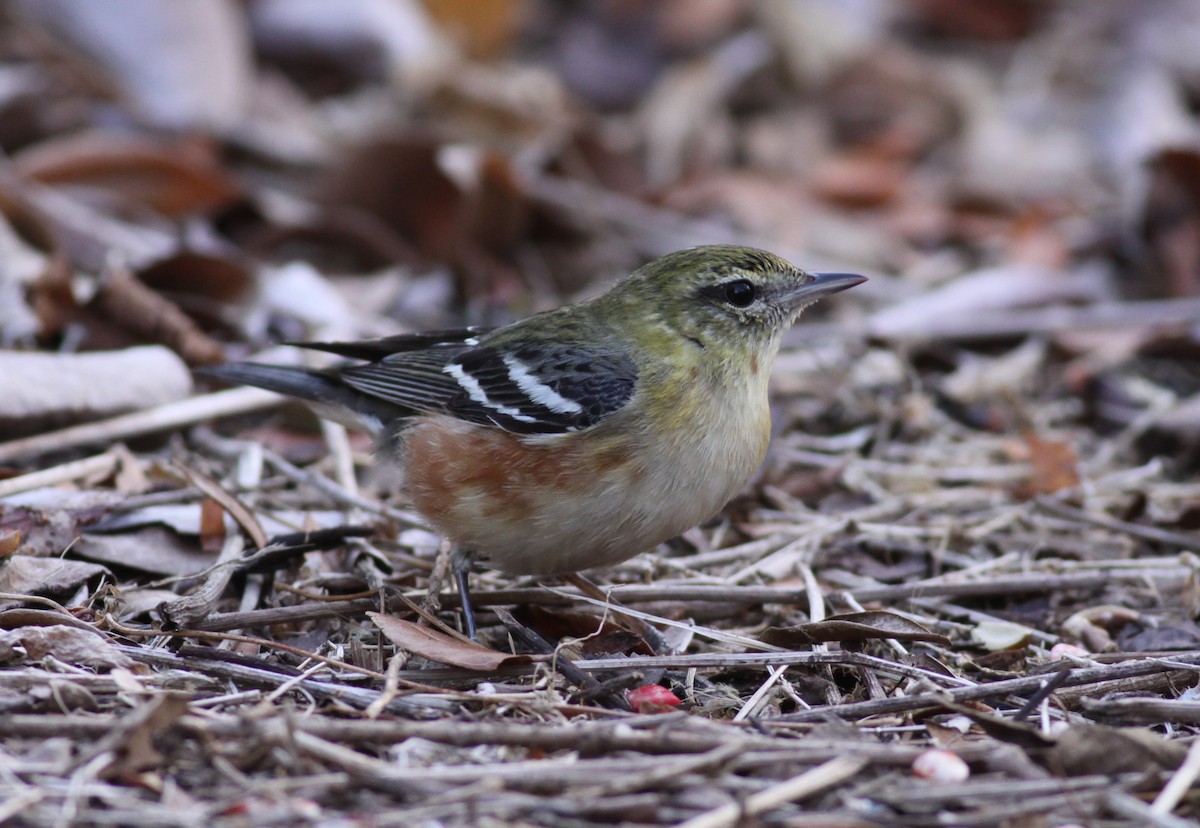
(462, 573)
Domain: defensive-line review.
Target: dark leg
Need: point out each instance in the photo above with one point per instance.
(464, 595)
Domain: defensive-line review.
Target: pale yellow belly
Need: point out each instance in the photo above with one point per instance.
(556, 506)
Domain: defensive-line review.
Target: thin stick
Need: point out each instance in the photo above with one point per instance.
(1149, 533)
(813, 781)
(1180, 783)
(161, 418)
(995, 324)
(100, 465)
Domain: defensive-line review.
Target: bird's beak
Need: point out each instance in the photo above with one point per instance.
(822, 284)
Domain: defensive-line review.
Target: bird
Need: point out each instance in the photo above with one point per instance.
(579, 437)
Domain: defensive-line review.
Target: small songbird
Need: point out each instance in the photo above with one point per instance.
(578, 437)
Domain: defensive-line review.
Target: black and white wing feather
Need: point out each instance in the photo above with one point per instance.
(530, 389)
(389, 346)
(541, 389)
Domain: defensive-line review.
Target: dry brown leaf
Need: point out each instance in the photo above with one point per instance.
(859, 180)
(212, 526)
(133, 741)
(125, 300)
(70, 645)
(597, 636)
(982, 19)
(10, 542)
(483, 30)
(236, 509)
(437, 646)
(153, 549)
(1171, 226)
(1054, 466)
(41, 576)
(852, 627)
(1085, 749)
(205, 285)
(1005, 729)
(381, 179)
(176, 180)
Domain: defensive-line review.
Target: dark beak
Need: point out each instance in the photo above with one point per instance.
(823, 284)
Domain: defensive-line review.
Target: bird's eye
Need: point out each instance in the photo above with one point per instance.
(740, 293)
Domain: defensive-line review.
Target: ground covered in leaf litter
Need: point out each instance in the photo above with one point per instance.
(935, 598)
(961, 592)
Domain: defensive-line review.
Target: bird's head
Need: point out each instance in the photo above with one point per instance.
(725, 297)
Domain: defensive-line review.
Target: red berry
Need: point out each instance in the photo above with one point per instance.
(652, 698)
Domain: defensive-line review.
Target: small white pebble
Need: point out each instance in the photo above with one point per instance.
(960, 723)
(941, 766)
(1063, 650)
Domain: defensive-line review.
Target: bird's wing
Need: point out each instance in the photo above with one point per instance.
(372, 349)
(415, 380)
(530, 389)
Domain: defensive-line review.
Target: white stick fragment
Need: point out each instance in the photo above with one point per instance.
(40, 390)
(164, 417)
(1179, 784)
(98, 465)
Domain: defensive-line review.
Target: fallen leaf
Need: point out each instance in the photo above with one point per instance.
(153, 549)
(27, 575)
(10, 542)
(1170, 226)
(859, 180)
(852, 627)
(437, 646)
(70, 645)
(128, 302)
(1081, 750)
(483, 30)
(981, 19)
(175, 179)
(133, 740)
(1151, 637)
(994, 636)
(1054, 466)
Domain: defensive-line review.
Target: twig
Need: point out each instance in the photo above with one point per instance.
(833, 772)
(354, 696)
(1149, 533)
(100, 465)
(993, 689)
(997, 324)
(340, 494)
(1133, 808)
(1180, 783)
(655, 593)
(162, 418)
(730, 660)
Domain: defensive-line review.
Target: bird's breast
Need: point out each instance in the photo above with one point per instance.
(585, 499)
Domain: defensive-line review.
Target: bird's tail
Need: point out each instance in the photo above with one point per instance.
(321, 390)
